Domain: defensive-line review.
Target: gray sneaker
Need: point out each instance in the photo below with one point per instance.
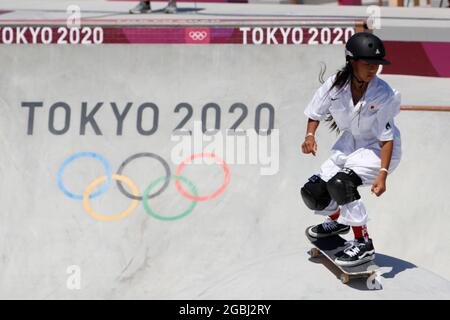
(171, 7)
(142, 7)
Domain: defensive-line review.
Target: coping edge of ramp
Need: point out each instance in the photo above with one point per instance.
(426, 108)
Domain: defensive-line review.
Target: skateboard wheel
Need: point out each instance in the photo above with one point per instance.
(314, 253)
(345, 278)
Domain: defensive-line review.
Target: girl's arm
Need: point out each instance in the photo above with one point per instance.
(379, 185)
(311, 127)
(309, 145)
(386, 155)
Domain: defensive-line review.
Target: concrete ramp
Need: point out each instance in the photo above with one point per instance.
(211, 135)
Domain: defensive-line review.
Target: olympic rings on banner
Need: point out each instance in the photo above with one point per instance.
(106, 180)
(212, 195)
(78, 155)
(198, 35)
(119, 216)
(176, 217)
(140, 155)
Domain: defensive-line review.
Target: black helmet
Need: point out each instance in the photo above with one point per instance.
(366, 46)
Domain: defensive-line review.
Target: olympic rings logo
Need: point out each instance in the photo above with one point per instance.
(102, 183)
(198, 35)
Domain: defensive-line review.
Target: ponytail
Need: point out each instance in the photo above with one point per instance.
(343, 77)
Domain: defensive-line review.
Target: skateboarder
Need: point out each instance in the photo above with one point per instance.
(362, 108)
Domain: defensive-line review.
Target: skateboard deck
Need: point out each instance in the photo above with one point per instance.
(330, 248)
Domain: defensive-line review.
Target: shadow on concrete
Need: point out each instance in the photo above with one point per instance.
(396, 264)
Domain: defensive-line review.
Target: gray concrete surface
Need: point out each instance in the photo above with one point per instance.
(246, 243)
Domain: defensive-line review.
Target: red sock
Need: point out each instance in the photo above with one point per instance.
(361, 232)
(335, 215)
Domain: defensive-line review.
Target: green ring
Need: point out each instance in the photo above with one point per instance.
(152, 213)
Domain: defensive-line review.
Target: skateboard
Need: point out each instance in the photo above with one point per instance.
(330, 248)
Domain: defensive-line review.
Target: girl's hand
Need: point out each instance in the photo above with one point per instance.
(379, 185)
(310, 145)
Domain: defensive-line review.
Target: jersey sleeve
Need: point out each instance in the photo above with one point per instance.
(390, 108)
(318, 107)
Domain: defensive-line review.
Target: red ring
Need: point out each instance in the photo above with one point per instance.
(212, 195)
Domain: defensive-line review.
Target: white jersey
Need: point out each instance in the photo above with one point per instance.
(358, 148)
(363, 125)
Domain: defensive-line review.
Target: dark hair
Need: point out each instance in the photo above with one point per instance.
(343, 77)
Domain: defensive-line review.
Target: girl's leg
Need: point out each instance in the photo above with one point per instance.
(330, 226)
(328, 169)
(339, 152)
(361, 168)
(361, 233)
(366, 164)
(335, 215)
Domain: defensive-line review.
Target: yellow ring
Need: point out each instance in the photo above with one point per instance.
(95, 183)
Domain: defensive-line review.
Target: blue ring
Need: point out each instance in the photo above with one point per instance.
(75, 156)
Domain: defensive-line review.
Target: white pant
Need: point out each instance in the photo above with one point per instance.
(366, 163)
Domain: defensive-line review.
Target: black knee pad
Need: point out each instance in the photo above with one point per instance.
(315, 193)
(343, 186)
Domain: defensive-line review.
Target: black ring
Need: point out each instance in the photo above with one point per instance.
(140, 155)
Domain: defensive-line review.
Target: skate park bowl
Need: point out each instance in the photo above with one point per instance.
(162, 160)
